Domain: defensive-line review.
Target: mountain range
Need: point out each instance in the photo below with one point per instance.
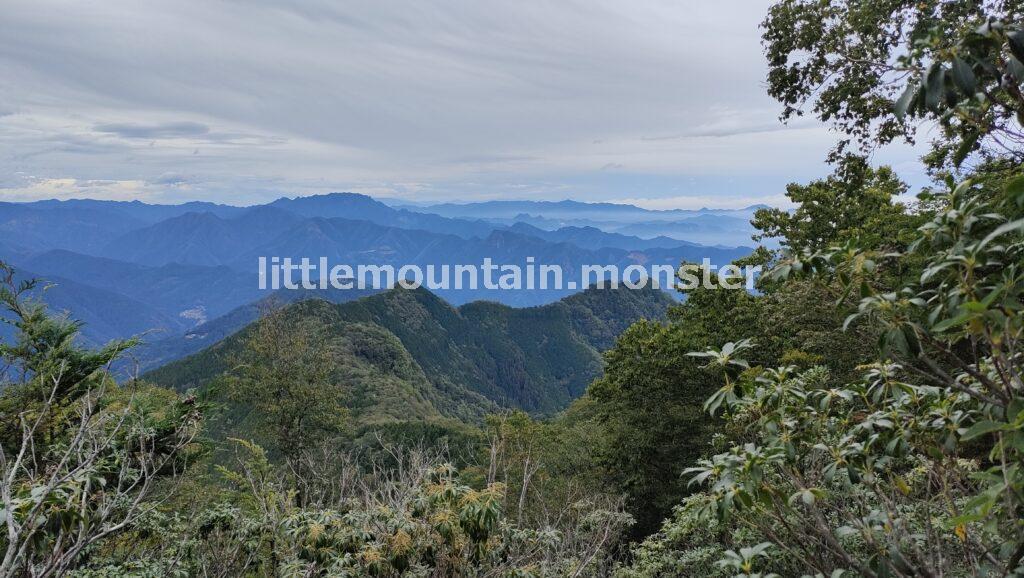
(185, 275)
(569, 209)
(726, 227)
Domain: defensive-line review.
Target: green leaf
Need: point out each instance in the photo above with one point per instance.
(1002, 230)
(896, 340)
(933, 87)
(963, 76)
(903, 102)
(973, 307)
(951, 322)
(981, 428)
(965, 148)
(1016, 42)
(1016, 69)
(1015, 190)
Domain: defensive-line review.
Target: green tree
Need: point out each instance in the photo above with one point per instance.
(81, 457)
(284, 375)
(923, 454)
(855, 201)
(857, 63)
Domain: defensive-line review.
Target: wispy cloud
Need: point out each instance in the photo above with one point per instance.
(705, 201)
(174, 179)
(155, 131)
(473, 99)
(38, 188)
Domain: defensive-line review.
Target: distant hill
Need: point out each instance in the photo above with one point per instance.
(361, 207)
(726, 227)
(104, 315)
(137, 210)
(701, 226)
(569, 209)
(201, 238)
(352, 242)
(85, 225)
(192, 293)
(594, 238)
(473, 357)
(43, 228)
(156, 352)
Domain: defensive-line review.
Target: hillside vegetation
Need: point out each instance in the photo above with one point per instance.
(408, 354)
(860, 415)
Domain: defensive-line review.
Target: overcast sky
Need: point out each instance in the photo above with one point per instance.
(661, 103)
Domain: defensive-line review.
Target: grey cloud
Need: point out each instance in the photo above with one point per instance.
(96, 183)
(731, 123)
(172, 179)
(155, 131)
(493, 159)
(284, 95)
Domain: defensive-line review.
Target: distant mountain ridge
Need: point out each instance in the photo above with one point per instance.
(594, 238)
(569, 209)
(86, 225)
(361, 207)
(180, 267)
(192, 293)
(105, 315)
(201, 238)
(153, 353)
(725, 227)
(204, 239)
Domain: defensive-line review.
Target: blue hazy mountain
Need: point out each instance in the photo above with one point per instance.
(34, 227)
(594, 238)
(362, 207)
(205, 239)
(126, 268)
(84, 225)
(706, 228)
(190, 293)
(201, 238)
(105, 315)
(137, 210)
(573, 210)
(727, 227)
(344, 241)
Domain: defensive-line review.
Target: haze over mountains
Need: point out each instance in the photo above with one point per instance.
(729, 227)
(186, 275)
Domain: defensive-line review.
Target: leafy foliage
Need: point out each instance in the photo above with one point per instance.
(860, 414)
(79, 456)
(919, 456)
(855, 200)
(406, 354)
(873, 68)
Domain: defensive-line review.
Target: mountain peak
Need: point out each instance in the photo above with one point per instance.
(336, 197)
(194, 218)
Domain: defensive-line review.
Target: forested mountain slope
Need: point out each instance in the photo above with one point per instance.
(459, 361)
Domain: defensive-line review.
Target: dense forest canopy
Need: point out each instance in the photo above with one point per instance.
(860, 414)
